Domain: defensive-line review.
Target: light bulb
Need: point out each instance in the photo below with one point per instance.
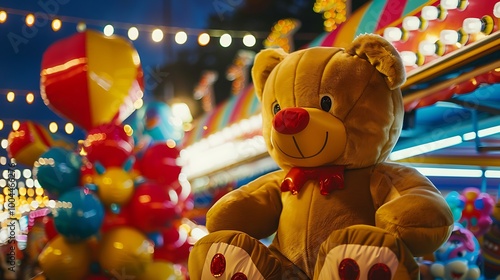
(393, 34)
(427, 48)
(472, 25)
(430, 13)
(449, 4)
(411, 23)
(409, 58)
(449, 37)
(496, 10)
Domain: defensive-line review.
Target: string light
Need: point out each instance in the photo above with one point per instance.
(1, 124)
(3, 16)
(249, 40)
(225, 40)
(53, 127)
(30, 97)
(133, 33)
(69, 128)
(203, 39)
(11, 96)
(180, 37)
(30, 19)
(15, 125)
(157, 35)
(108, 30)
(56, 24)
(81, 26)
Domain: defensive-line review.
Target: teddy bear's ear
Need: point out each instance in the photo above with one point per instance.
(381, 54)
(264, 63)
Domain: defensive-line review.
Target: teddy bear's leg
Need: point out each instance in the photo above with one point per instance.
(366, 253)
(232, 255)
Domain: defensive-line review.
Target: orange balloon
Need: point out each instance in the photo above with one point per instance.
(62, 260)
(91, 79)
(125, 252)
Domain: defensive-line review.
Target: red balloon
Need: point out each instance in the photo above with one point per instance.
(109, 144)
(151, 207)
(50, 228)
(175, 247)
(159, 163)
(112, 220)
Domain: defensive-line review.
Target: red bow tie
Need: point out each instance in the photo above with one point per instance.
(329, 177)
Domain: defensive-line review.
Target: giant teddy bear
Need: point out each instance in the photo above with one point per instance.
(337, 209)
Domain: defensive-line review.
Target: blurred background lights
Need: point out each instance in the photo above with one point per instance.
(11, 96)
(4, 143)
(133, 33)
(30, 19)
(53, 127)
(56, 24)
(157, 35)
(1, 124)
(180, 37)
(69, 128)
(3, 16)
(203, 39)
(15, 125)
(81, 26)
(109, 30)
(30, 97)
(249, 40)
(225, 40)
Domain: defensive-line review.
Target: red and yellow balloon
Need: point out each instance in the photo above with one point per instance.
(91, 79)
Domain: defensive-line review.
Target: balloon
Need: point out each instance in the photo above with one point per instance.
(28, 142)
(50, 228)
(113, 220)
(91, 79)
(109, 144)
(159, 163)
(63, 260)
(58, 170)
(114, 186)
(125, 251)
(151, 207)
(156, 120)
(81, 217)
(175, 247)
(161, 270)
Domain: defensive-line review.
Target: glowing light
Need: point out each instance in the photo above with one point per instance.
(449, 4)
(449, 172)
(81, 26)
(11, 96)
(69, 128)
(249, 40)
(427, 48)
(30, 20)
(181, 37)
(203, 39)
(496, 10)
(133, 33)
(472, 25)
(109, 30)
(425, 148)
(411, 23)
(449, 37)
(30, 97)
(225, 40)
(26, 173)
(393, 34)
(15, 125)
(138, 104)
(128, 130)
(3, 16)
(56, 24)
(409, 58)
(1, 124)
(53, 127)
(430, 13)
(4, 143)
(157, 35)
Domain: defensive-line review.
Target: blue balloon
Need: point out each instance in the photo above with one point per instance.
(156, 121)
(156, 238)
(58, 170)
(79, 216)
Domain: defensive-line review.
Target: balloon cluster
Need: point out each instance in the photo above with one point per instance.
(119, 206)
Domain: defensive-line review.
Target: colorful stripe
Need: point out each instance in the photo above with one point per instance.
(392, 11)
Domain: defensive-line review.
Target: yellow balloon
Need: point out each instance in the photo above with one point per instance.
(63, 260)
(125, 252)
(115, 185)
(161, 270)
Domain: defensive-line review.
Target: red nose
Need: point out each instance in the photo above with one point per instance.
(291, 120)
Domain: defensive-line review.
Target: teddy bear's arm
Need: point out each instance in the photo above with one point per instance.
(409, 206)
(254, 208)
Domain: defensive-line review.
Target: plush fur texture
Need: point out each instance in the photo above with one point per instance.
(331, 107)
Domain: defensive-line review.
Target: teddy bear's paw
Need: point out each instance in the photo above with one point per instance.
(365, 253)
(232, 255)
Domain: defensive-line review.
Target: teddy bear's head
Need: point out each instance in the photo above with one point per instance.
(331, 106)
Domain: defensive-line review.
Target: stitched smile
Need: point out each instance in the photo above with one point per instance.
(298, 148)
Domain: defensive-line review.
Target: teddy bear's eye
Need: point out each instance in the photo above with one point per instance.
(326, 103)
(276, 108)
